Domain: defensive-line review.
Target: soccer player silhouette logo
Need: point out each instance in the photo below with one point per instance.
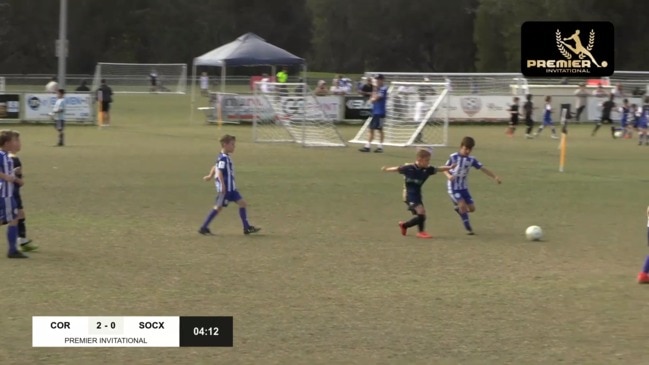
(579, 49)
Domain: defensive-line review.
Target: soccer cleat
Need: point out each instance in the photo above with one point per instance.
(528, 136)
(251, 229)
(554, 136)
(643, 278)
(364, 149)
(470, 233)
(24, 240)
(378, 150)
(423, 235)
(205, 231)
(17, 255)
(29, 246)
(404, 229)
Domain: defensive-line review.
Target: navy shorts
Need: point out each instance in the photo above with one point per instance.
(377, 122)
(457, 195)
(18, 199)
(223, 199)
(59, 124)
(413, 201)
(105, 106)
(8, 210)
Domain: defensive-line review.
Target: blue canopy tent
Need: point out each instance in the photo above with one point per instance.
(247, 50)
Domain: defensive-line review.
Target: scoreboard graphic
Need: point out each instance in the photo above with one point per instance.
(132, 331)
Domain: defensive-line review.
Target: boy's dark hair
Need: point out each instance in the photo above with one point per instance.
(626, 100)
(516, 98)
(423, 153)
(103, 81)
(227, 139)
(468, 142)
(529, 97)
(7, 135)
(62, 91)
(548, 98)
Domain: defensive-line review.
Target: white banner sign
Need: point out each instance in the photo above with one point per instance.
(243, 107)
(467, 107)
(78, 107)
(594, 107)
(330, 106)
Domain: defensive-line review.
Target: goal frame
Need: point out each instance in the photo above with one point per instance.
(441, 101)
(301, 116)
(180, 86)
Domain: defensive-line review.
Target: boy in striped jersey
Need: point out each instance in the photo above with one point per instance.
(25, 243)
(9, 142)
(223, 174)
(458, 188)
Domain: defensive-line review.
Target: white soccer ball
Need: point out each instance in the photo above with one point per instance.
(534, 233)
(618, 134)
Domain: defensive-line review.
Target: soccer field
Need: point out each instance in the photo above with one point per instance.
(330, 279)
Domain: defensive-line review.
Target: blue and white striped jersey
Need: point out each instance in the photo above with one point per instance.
(224, 164)
(461, 170)
(6, 167)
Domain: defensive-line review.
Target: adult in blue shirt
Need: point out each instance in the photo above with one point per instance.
(378, 99)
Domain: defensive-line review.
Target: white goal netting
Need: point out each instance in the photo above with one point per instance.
(289, 112)
(417, 115)
(142, 77)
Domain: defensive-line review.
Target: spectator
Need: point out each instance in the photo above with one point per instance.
(282, 78)
(321, 89)
(52, 86)
(345, 85)
(600, 92)
(205, 84)
(618, 91)
(335, 87)
(367, 88)
(263, 84)
(83, 86)
(581, 95)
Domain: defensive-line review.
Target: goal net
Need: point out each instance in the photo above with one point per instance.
(142, 77)
(417, 115)
(296, 116)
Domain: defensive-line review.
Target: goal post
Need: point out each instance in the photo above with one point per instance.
(417, 115)
(290, 113)
(166, 78)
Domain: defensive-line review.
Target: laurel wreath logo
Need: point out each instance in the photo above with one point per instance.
(563, 51)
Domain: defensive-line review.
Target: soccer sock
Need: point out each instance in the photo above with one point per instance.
(368, 145)
(414, 221)
(12, 237)
(528, 130)
(465, 220)
(244, 218)
(421, 223)
(540, 130)
(554, 131)
(209, 218)
(22, 229)
(61, 138)
(645, 267)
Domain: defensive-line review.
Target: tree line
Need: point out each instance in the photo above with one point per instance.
(347, 36)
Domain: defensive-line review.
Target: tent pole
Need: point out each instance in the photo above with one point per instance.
(273, 70)
(223, 77)
(193, 83)
(304, 74)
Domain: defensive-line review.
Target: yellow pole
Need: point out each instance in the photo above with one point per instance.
(563, 144)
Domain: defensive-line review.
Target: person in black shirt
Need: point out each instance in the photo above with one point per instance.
(528, 109)
(415, 175)
(367, 88)
(607, 107)
(105, 97)
(83, 86)
(513, 120)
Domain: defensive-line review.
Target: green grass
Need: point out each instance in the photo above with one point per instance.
(330, 279)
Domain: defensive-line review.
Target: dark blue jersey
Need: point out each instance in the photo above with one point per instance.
(415, 177)
(378, 107)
